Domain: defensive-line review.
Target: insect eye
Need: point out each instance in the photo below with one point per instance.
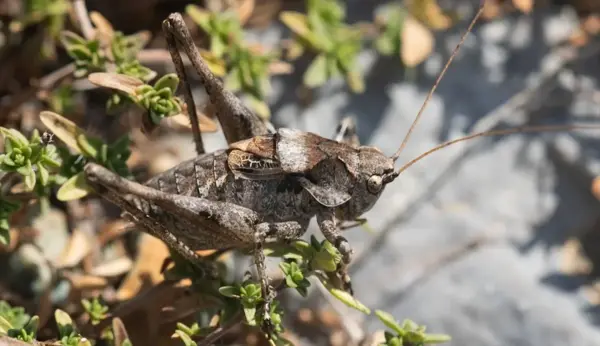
(374, 184)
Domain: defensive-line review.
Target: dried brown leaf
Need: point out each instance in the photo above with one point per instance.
(573, 261)
(596, 187)
(121, 82)
(85, 282)
(417, 42)
(119, 331)
(591, 24)
(146, 269)
(113, 267)
(524, 6)
(182, 121)
(104, 30)
(66, 130)
(113, 229)
(79, 246)
(280, 67)
(244, 10)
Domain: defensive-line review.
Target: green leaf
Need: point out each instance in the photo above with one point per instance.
(389, 321)
(233, 81)
(15, 136)
(4, 234)
(436, 338)
(74, 188)
(44, 175)
(170, 81)
(250, 315)
(349, 300)
(230, 291)
(70, 39)
(215, 64)
(5, 326)
(295, 50)
(33, 324)
(218, 46)
(260, 107)
(187, 340)
(355, 81)
(64, 323)
(295, 21)
(199, 16)
(316, 74)
(385, 45)
(30, 178)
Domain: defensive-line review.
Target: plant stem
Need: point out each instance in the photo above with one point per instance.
(83, 18)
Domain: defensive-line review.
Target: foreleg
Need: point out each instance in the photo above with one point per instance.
(328, 225)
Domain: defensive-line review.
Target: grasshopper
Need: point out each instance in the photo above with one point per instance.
(268, 184)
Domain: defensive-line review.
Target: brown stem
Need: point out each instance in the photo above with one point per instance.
(81, 12)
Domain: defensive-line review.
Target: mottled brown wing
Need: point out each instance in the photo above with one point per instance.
(251, 166)
(263, 146)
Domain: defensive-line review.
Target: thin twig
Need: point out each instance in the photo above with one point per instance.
(81, 12)
(45, 83)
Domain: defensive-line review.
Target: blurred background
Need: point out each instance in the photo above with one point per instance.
(493, 241)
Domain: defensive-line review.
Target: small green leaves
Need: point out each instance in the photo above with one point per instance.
(28, 332)
(224, 28)
(113, 156)
(249, 73)
(186, 333)
(67, 332)
(349, 300)
(327, 257)
(249, 294)
(95, 309)
(158, 100)
(135, 69)
(12, 317)
(247, 67)
(336, 44)
(407, 333)
(88, 55)
(391, 18)
(30, 158)
(294, 277)
(108, 50)
(6, 209)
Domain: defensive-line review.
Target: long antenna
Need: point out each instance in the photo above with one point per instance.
(437, 82)
(522, 129)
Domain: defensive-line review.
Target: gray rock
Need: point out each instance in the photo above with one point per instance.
(501, 305)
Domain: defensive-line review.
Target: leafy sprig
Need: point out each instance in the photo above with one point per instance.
(336, 44)
(32, 158)
(95, 309)
(407, 333)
